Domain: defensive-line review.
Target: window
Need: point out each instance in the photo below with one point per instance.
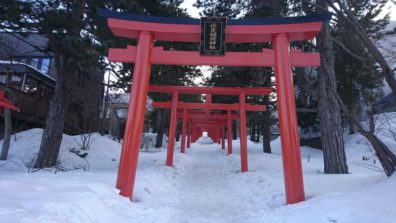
(45, 65)
(16, 78)
(3, 78)
(40, 63)
(34, 63)
(15, 81)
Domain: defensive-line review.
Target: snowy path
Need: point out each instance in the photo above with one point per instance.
(206, 190)
(209, 187)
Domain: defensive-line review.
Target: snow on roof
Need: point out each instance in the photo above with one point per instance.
(27, 65)
(123, 98)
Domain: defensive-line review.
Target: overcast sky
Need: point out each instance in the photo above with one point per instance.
(194, 12)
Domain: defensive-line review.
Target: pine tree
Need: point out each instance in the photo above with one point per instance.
(160, 74)
(356, 71)
(346, 11)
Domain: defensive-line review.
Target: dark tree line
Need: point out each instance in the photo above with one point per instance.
(351, 73)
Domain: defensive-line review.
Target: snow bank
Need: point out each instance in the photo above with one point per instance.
(205, 185)
(103, 153)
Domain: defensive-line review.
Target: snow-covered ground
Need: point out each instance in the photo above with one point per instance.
(205, 185)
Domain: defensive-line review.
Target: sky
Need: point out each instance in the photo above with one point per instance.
(188, 4)
(194, 12)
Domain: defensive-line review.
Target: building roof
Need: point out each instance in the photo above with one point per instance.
(23, 68)
(123, 98)
(25, 44)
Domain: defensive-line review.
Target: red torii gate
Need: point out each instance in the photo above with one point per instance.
(278, 31)
(242, 107)
(196, 117)
(212, 115)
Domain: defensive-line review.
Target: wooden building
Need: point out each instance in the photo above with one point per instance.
(28, 62)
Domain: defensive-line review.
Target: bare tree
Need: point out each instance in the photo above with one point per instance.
(386, 157)
(344, 12)
(8, 50)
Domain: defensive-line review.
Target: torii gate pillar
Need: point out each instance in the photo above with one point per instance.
(242, 132)
(172, 130)
(288, 120)
(229, 133)
(135, 118)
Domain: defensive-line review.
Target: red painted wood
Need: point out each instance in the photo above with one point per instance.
(189, 134)
(243, 137)
(229, 133)
(5, 103)
(172, 129)
(207, 116)
(249, 59)
(288, 121)
(213, 106)
(135, 118)
(210, 90)
(235, 33)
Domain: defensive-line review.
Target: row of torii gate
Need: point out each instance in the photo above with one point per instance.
(208, 116)
(205, 117)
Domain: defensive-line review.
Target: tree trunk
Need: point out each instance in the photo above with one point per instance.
(266, 128)
(53, 131)
(384, 154)
(160, 128)
(178, 130)
(252, 130)
(7, 122)
(7, 134)
(234, 130)
(352, 126)
(257, 131)
(328, 109)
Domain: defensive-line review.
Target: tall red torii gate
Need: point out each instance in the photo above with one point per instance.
(280, 32)
(242, 107)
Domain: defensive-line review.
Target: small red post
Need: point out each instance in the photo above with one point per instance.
(189, 134)
(184, 129)
(288, 121)
(229, 132)
(172, 129)
(243, 138)
(222, 136)
(135, 118)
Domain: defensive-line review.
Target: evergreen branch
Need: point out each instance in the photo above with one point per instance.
(354, 55)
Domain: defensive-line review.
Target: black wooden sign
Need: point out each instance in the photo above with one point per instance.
(213, 33)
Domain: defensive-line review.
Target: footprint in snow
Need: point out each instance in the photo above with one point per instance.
(147, 190)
